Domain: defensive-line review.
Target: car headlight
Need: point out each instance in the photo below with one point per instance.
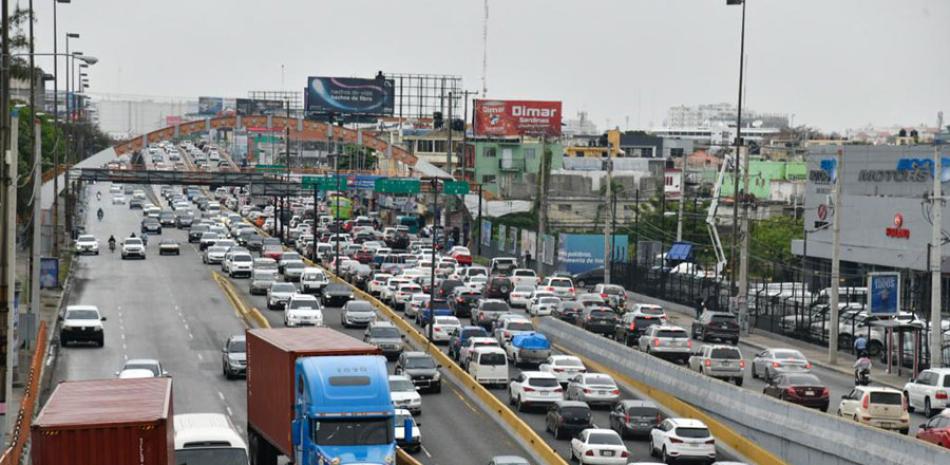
(335, 461)
(437, 376)
(97, 328)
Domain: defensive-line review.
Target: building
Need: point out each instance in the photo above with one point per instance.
(580, 126)
(500, 165)
(20, 88)
(632, 144)
(125, 118)
(720, 114)
(432, 145)
(772, 181)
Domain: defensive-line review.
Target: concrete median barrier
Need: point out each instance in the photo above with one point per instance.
(763, 429)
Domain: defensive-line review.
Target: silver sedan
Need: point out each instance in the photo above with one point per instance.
(593, 388)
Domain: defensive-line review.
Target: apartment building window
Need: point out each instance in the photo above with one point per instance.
(439, 146)
(564, 207)
(529, 154)
(424, 146)
(488, 179)
(491, 152)
(676, 152)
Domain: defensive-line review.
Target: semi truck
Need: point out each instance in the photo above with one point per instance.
(317, 396)
(113, 421)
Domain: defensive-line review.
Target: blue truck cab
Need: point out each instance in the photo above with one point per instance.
(343, 411)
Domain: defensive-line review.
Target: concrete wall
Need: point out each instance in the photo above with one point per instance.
(798, 435)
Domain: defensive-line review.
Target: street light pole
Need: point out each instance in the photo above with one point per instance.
(7, 209)
(742, 291)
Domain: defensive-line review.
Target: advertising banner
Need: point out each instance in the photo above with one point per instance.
(513, 240)
(547, 249)
(246, 106)
(578, 253)
(172, 120)
(529, 243)
(240, 145)
(512, 118)
(486, 233)
(49, 273)
(885, 291)
(210, 106)
(502, 237)
(350, 96)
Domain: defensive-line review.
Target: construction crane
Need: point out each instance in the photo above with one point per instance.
(727, 166)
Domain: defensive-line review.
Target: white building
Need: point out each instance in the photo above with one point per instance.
(126, 118)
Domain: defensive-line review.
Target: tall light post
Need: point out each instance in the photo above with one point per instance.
(742, 291)
(56, 123)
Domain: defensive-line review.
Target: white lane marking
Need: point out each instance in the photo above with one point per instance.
(124, 347)
(122, 336)
(221, 395)
(230, 413)
(200, 357)
(186, 326)
(191, 336)
(424, 451)
(125, 356)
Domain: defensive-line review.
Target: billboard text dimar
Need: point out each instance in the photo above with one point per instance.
(513, 118)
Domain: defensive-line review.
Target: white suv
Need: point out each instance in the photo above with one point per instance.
(561, 287)
(133, 247)
(929, 391)
(303, 310)
(313, 280)
(81, 323)
(534, 388)
(667, 342)
(238, 263)
(682, 438)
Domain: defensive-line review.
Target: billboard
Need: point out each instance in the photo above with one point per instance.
(210, 106)
(512, 118)
(485, 230)
(578, 253)
(172, 120)
(885, 291)
(350, 96)
(49, 273)
(246, 106)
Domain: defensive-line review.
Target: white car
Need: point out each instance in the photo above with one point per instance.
(520, 296)
(388, 292)
(313, 280)
(534, 388)
(682, 438)
(404, 293)
(477, 282)
(118, 199)
(880, 407)
(87, 243)
(563, 367)
(544, 306)
(524, 277)
(598, 446)
(303, 310)
(238, 264)
(473, 343)
(82, 323)
(378, 282)
(929, 391)
(416, 302)
(133, 247)
(561, 287)
(443, 327)
(405, 395)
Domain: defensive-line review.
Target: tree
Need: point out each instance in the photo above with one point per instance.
(771, 244)
(358, 157)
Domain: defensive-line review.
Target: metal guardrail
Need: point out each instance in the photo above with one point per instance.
(771, 431)
(20, 433)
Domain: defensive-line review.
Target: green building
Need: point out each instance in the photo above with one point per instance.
(762, 173)
(499, 163)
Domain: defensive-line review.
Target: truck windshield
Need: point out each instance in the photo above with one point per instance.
(211, 456)
(352, 432)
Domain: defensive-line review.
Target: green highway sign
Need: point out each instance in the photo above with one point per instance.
(323, 183)
(270, 167)
(397, 186)
(455, 187)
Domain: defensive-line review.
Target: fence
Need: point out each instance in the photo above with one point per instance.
(21, 429)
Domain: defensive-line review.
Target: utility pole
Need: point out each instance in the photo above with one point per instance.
(542, 206)
(7, 312)
(936, 268)
(7, 211)
(836, 261)
(608, 232)
(448, 149)
(735, 176)
(679, 222)
(37, 226)
(480, 232)
(435, 225)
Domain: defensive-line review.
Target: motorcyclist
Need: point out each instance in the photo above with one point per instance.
(144, 239)
(111, 242)
(98, 195)
(100, 214)
(862, 366)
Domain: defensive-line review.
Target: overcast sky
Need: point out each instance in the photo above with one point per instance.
(834, 64)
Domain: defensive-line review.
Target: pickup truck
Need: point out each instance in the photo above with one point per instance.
(531, 348)
(719, 361)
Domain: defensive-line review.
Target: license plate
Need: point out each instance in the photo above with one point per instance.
(887, 425)
(607, 453)
(809, 393)
(603, 393)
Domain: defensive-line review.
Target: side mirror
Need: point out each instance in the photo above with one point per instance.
(102, 319)
(164, 374)
(115, 373)
(60, 318)
(844, 396)
(923, 426)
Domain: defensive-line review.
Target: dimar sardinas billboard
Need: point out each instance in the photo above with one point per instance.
(512, 118)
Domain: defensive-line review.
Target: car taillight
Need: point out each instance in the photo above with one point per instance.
(589, 453)
(656, 343)
(689, 343)
(557, 389)
(940, 395)
(550, 289)
(633, 326)
(460, 300)
(676, 441)
(587, 391)
(866, 402)
(615, 392)
(710, 441)
(741, 363)
(808, 365)
(791, 392)
(625, 454)
(626, 418)
(437, 329)
(825, 392)
(776, 365)
(707, 362)
(507, 334)
(527, 389)
(603, 296)
(558, 370)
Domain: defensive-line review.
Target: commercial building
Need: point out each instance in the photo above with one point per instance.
(432, 145)
(635, 144)
(500, 165)
(127, 118)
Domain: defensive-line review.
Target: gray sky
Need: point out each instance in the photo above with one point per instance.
(832, 63)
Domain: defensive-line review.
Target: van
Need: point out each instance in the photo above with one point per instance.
(489, 366)
(503, 265)
(208, 438)
(312, 280)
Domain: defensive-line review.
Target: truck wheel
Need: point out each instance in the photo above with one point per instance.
(739, 381)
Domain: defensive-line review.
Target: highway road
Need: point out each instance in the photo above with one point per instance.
(169, 308)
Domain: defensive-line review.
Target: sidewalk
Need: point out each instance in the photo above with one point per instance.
(683, 316)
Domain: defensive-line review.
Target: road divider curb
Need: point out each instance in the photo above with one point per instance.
(403, 458)
(251, 316)
(528, 436)
(259, 318)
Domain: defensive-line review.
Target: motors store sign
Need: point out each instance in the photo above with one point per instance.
(513, 118)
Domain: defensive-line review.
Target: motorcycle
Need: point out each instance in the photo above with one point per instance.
(100, 214)
(112, 246)
(98, 196)
(862, 377)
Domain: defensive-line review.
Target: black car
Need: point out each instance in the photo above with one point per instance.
(600, 320)
(194, 234)
(462, 301)
(151, 226)
(568, 310)
(589, 278)
(136, 203)
(716, 325)
(799, 388)
(567, 417)
(445, 288)
(167, 219)
(184, 221)
(336, 295)
(254, 242)
(421, 368)
(634, 417)
(498, 287)
(633, 325)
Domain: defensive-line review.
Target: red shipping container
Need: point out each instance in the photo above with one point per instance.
(271, 354)
(109, 421)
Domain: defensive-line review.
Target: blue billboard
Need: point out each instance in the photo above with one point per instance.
(350, 96)
(885, 293)
(578, 253)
